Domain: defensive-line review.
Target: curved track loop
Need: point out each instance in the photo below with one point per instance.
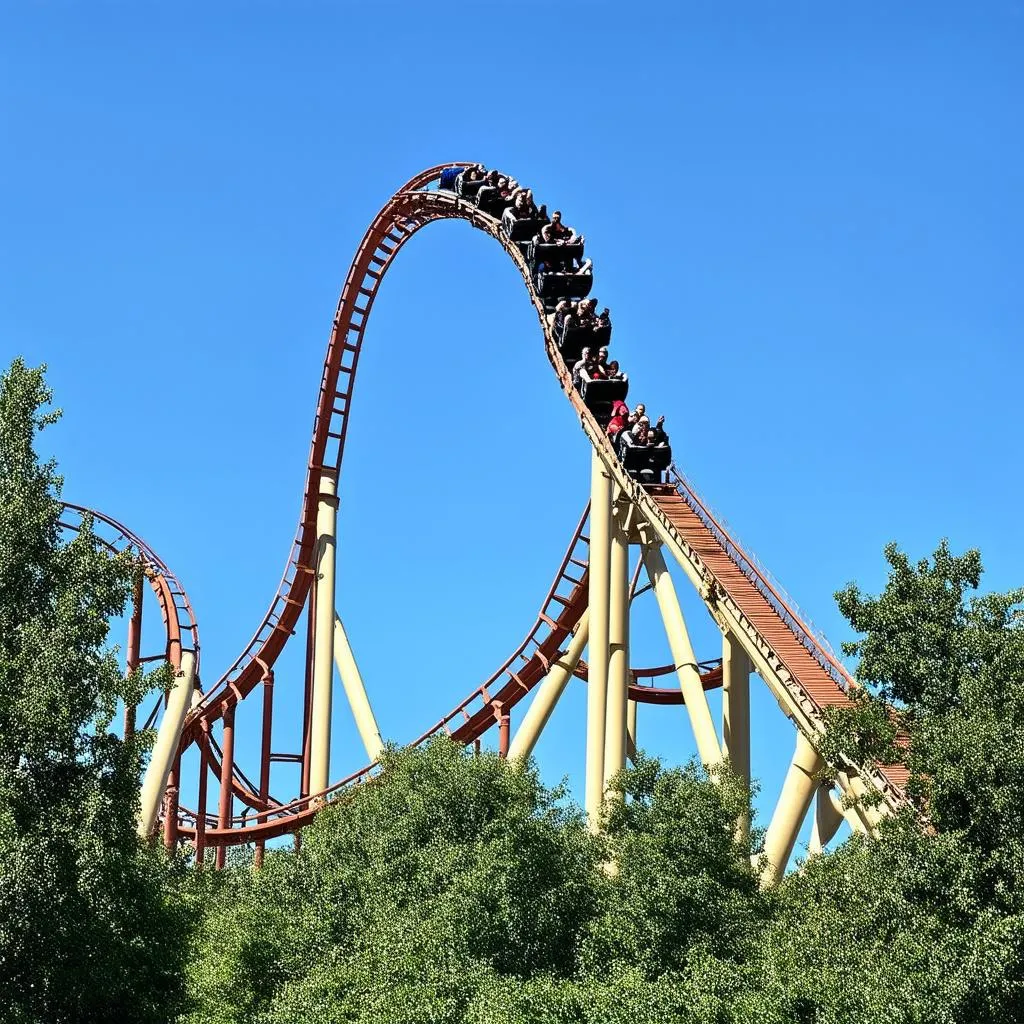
(733, 586)
(181, 628)
(180, 625)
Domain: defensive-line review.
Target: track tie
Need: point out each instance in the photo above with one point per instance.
(580, 563)
(368, 292)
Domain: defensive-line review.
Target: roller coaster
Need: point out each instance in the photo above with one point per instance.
(660, 518)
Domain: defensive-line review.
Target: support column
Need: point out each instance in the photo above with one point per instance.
(631, 747)
(323, 634)
(736, 719)
(171, 805)
(165, 750)
(828, 816)
(266, 748)
(597, 663)
(548, 692)
(794, 800)
(618, 659)
(204, 771)
(504, 725)
(133, 649)
(356, 692)
(226, 800)
(704, 731)
(868, 811)
(855, 814)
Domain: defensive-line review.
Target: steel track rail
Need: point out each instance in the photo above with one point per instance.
(180, 624)
(738, 594)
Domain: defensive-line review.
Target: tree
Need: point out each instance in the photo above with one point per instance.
(409, 895)
(682, 882)
(456, 888)
(926, 922)
(88, 930)
(954, 663)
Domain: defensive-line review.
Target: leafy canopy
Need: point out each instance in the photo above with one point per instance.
(87, 929)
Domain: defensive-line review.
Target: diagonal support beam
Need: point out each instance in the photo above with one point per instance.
(544, 701)
(366, 723)
(631, 747)
(165, 750)
(863, 815)
(794, 800)
(704, 731)
(828, 816)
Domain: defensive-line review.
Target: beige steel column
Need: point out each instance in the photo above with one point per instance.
(631, 731)
(366, 723)
(618, 659)
(736, 718)
(794, 800)
(323, 634)
(855, 814)
(597, 662)
(165, 750)
(548, 693)
(869, 812)
(828, 816)
(704, 730)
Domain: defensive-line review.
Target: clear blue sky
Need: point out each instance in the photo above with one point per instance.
(806, 219)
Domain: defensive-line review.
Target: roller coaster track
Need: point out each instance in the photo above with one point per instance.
(181, 629)
(799, 668)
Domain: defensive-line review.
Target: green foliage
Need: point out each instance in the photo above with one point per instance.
(456, 888)
(954, 663)
(888, 930)
(683, 884)
(930, 924)
(87, 929)
(406, 896)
